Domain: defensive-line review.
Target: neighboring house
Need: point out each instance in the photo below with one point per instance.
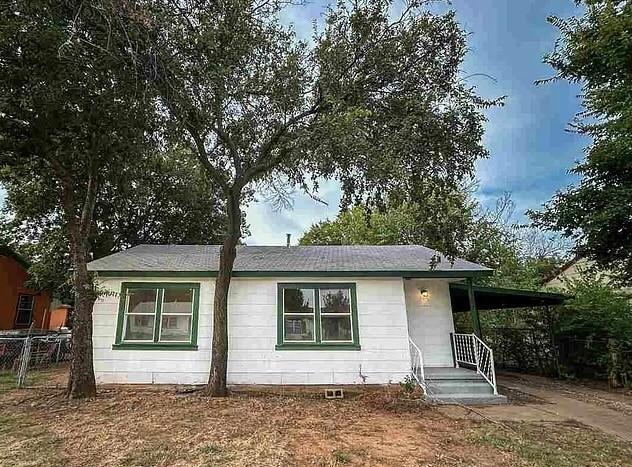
(20, 307)
(59, 316)
(308, 315)
(577, 268)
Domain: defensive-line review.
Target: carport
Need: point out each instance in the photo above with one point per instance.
(472, 298)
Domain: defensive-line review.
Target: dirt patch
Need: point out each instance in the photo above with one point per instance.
(164, 426)
(129, 426)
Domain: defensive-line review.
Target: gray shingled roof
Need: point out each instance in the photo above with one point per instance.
(361, 258)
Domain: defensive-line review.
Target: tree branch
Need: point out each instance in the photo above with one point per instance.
(87, 210)
(228, 141)
(202, 155)
(264, 161)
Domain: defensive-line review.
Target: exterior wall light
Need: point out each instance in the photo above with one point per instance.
(424, 294)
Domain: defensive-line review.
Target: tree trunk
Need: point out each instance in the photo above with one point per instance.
(81, 382)
(216, 386)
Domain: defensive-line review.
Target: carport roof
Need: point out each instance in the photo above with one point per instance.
(495, 298)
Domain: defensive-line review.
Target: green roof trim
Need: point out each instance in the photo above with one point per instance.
(518, 292)
(497, 298)
(404, 274)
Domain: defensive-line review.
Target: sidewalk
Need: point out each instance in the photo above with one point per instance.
(551, 401)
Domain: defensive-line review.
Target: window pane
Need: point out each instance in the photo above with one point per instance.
(178, 301)
(336, 328)
(176, 328)
(25, 302)
(139, 328)
(141, 301)
(23, 317)
(298, 300)
(335, 301)
(299, 328)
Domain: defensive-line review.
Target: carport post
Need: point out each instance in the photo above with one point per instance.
(476, 321)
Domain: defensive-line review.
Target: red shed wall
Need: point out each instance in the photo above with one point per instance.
(12, 278)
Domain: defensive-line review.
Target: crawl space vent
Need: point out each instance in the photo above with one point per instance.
(334, 394)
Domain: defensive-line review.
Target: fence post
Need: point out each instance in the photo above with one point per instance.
(58, 350)
(25, 356)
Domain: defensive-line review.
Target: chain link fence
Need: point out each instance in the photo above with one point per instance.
(25, 359)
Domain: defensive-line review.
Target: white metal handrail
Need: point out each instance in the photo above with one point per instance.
(469, 349)
(417, 364)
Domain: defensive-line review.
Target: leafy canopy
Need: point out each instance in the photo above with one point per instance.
(595, 50)
(374, 102)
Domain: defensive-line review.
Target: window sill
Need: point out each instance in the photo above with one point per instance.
(149, 346)
(312, 346)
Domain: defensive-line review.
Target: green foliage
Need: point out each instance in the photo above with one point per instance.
(158, 197)
(520, 257)
(597, 320)
(408, 385)
(164, 197)
(356, 226)
(589, 336)
(70, 115)
(595, 50)
(596, 309)
(366, 103)
(441, 222)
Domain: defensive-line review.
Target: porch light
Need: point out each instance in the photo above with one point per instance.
(424, 294)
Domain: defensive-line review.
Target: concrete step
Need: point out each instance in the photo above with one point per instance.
(461, 374)
(469, 399)
(453, 386)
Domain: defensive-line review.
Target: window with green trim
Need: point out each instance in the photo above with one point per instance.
(317, 315)
(154, 315)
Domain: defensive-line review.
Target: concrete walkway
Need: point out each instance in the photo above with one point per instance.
(551, 402)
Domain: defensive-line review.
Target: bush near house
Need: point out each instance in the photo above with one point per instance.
(594, 332)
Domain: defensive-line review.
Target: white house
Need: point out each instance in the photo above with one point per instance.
(302, 315)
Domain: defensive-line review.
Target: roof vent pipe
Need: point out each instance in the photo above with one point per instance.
(289, 237)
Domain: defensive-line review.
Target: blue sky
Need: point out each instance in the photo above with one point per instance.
(530, 153)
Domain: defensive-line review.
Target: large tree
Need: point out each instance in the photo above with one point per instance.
(71, 115)
(156, 197)
(375, 100)
(595, 50)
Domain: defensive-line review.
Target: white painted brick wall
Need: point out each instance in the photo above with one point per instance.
(383, 329)
(430, 321)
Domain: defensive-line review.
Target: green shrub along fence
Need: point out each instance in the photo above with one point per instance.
(527, 350)
(540, 351)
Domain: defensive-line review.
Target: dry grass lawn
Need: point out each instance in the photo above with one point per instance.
(151, 426)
